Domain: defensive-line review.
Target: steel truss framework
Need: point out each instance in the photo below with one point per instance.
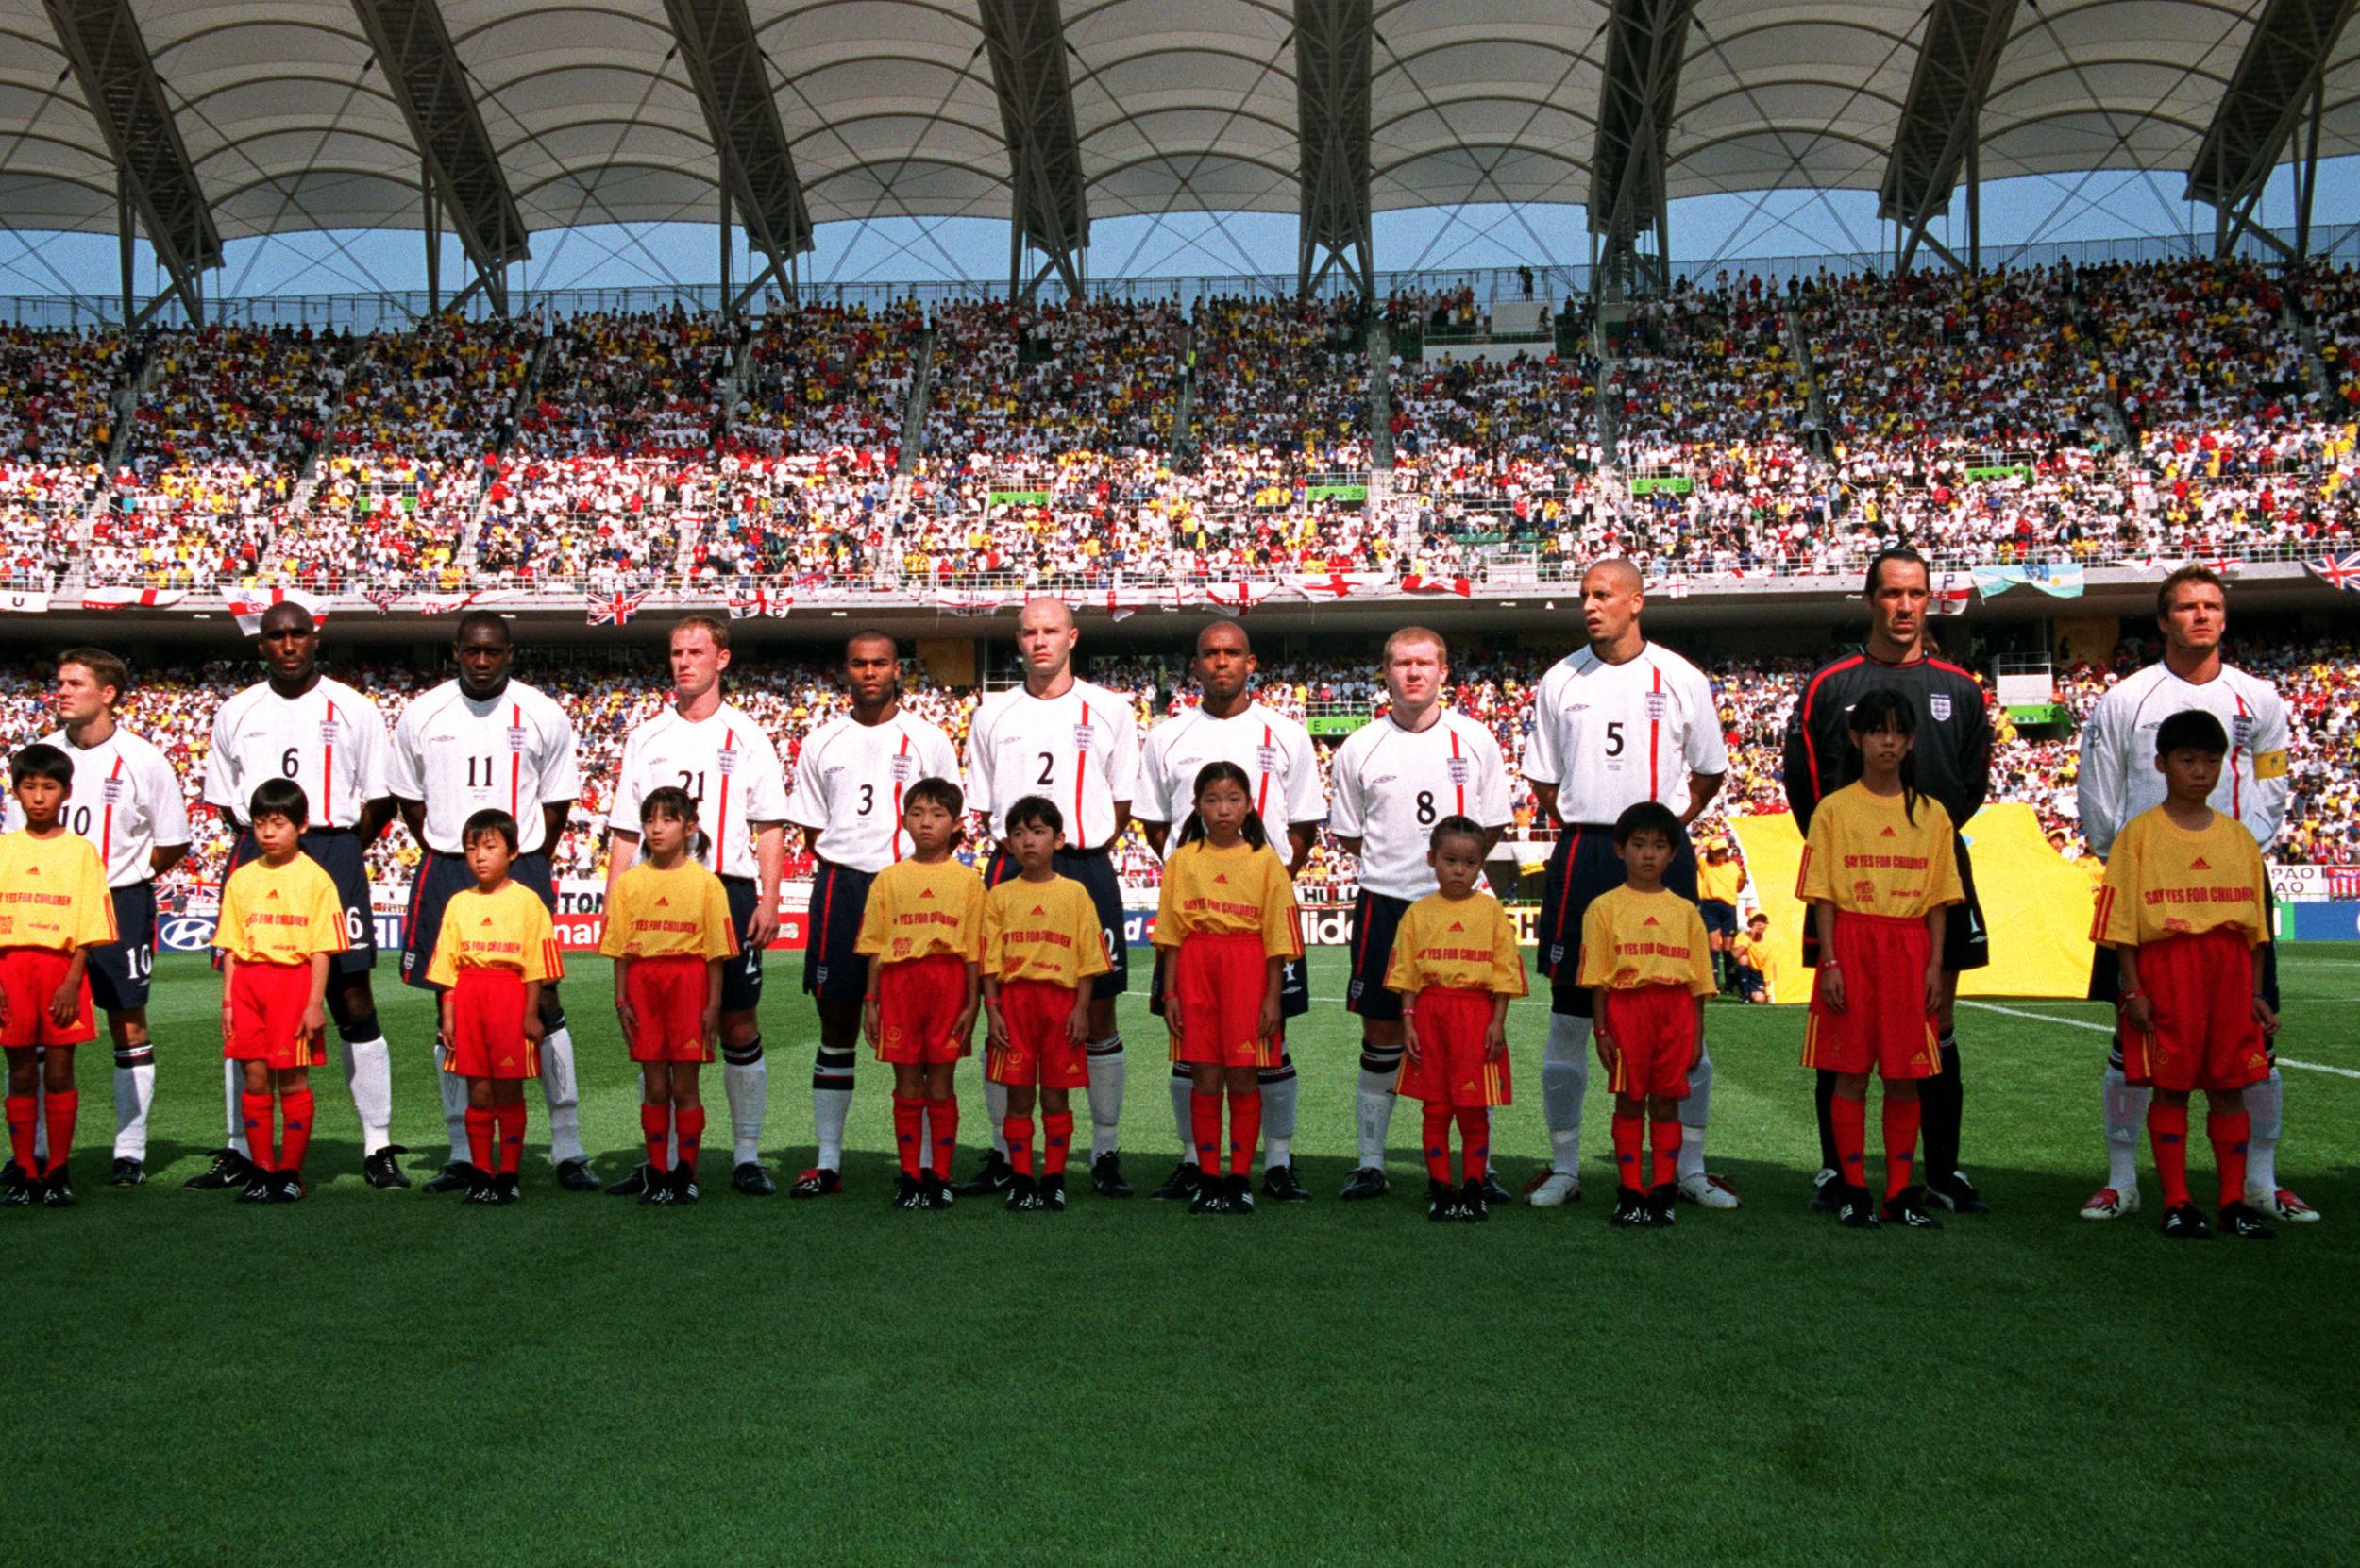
(1629, 202)
(155, 181)
(732, 77)
(1333, 46)
(2280, 81)
(1941, 130)
(1050, 213)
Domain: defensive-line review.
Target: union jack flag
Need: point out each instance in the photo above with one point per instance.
(2340, 571)
(380, 599)
(615, 609)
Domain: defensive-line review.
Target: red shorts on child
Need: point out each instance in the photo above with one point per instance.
(919, 1001)
(487, 1027)
(1037, 1014)
(1452, 1068)
(267, 1003)
(1884, 1027)
(28, 978)
(1650, 1033)
(1220, 979)
(2205, 1037)
(668, 998)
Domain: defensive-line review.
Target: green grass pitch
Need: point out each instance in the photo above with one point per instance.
(381, 1377)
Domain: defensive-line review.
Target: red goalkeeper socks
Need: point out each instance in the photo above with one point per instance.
(2167, 1128)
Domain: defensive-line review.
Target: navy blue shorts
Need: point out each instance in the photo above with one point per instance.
(438, 879)
(741, 976)
(1720, 915)
(831, 970)
(1582, 866)
(1095, 871)
(119, 971)
(339, 852)
(1375, 917)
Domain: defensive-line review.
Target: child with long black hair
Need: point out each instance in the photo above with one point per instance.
(1227, 916)
(1879, 873)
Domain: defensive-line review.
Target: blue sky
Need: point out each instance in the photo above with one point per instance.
(1707, 232)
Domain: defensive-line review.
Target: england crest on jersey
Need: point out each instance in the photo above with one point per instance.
(726, 760)
(1461, 770)
(1939, 706)
(1658, 705)
(517, 738)
(2241, 729)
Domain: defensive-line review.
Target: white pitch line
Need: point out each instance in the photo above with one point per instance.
(2102, 1029)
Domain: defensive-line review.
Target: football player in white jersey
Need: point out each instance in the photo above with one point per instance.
(722, 757)
(1078, 744)
(1619, 721)
(1393, 780)
(846, 795)
(482, 741)
(323, 735)
(137, 818)
(2119, 779)
(1229, 725)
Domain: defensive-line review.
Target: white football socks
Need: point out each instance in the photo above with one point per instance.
(2126, 1121)
(1695, 1111)
(369, 1076)
(2265, 1110)
(135, 1095)
(1278, 1121)
(562, 1091)
(1372, 1103)
(453, 1090)
(995, 1112)
(1564, 1083)
(748, 1084)
(830, 1104)
(1105, 1091)
(1183, 1090)
(233, 1081)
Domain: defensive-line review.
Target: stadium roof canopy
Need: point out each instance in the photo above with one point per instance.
(237, 118)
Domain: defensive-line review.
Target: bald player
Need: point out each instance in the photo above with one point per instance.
(1228, 725)
(1614, 724)
(1079, 744)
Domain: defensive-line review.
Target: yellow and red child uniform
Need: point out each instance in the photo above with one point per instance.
(1041, 939)
(1885, 873)
(671, 925)
(491, 947)
(922, 926)
(1223, 915)
(274, 919)
(2195, 905)
(1650, 957)
(1451, 956)
(53, 900)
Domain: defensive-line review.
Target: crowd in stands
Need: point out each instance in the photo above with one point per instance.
(173, 706)
(2190, 408)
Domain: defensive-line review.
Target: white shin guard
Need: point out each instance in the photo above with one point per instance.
(1183, 1091)
(996, 1112)
(1278, 1120)
(1373, 1107)
(232, 1084)
(453, 1090)
(748, 1086)
(135, 1095)
(1695, 1110)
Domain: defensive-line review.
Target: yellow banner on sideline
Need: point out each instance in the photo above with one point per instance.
(2036, 903)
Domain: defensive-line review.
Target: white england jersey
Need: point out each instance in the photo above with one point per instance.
(514, 752)
(1081, 750)
(727, 765)
(2118, 778)
(849, 782)
(1282, 773)
(1612, 735)
(330, 740)
(126, 801)
(1393, 785)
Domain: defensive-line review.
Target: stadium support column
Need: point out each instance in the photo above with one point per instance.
(1629, 210)
(433, 225)
(1333, 43)
(2280, 77)
(732, 78)
(1049, 205)
(1941, 127)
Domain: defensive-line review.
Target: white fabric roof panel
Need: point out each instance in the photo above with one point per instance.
(891, 109)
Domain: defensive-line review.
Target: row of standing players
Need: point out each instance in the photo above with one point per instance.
(1621, 720)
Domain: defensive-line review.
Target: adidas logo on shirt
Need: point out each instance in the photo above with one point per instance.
(32, 870)
(1038, 910)
(274, 892)
(1221, 879)
(486, 920)
(1651, 921)
(1456, 926)
(664, 903)
(2199, 864)
(1887, 833)
(927, 893)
